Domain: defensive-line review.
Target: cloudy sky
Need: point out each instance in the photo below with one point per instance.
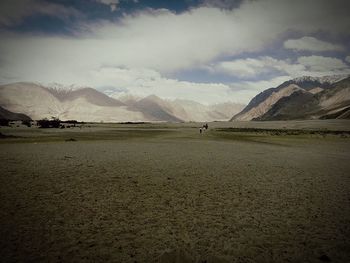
(205, 50)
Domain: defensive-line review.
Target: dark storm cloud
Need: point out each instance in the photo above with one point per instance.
(13, 12)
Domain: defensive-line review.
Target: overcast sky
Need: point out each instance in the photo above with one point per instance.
(205, 50)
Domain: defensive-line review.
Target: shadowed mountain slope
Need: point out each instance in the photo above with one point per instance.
(87, 104)
(301, 98)
(12, 116)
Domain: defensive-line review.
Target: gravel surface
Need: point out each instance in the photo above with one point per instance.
(170, 194)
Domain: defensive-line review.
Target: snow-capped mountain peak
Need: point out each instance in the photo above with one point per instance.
(61, 87)
(322, 80)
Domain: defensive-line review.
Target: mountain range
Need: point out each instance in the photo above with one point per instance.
(301, 98)
(297, 99)
(87, 104)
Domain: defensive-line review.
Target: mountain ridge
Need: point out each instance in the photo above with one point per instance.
(13, 116)
(312, 98)
(88, 104)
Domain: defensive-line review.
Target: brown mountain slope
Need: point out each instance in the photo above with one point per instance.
(12, 116)
(301, 98)
(333, 102)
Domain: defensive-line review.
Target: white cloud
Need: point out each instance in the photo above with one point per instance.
(144, 82)
(226, 4)
(253, 67)
(108, 2)
(164, 42)
(322, 64)
(305, 66)
(311, 44)
(12, 12)
(347, 59)
(112, 3)
(246, 90)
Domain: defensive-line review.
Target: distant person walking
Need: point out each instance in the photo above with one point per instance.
(200, 130)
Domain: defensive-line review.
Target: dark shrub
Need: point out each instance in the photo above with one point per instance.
(4, 122)
(71, 121)
(45, 123)
(26, 123)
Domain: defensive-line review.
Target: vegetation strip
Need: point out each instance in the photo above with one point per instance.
(284, 131)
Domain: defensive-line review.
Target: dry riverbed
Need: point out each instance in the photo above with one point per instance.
(165, 193)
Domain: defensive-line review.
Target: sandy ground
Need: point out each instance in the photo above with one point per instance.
(165, 193)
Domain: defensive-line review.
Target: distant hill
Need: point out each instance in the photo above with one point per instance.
(301, 98)
(12, 116)
(87, 104)
(154, 108)
(91, 95)
(84, 104)
(176, 110)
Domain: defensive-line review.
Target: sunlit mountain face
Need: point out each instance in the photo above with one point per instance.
(207, 51)
(87, 104)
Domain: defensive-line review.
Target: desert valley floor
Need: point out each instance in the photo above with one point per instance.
(166, 193)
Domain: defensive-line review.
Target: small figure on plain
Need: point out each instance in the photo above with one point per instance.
(200, 130)
(206, 126)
